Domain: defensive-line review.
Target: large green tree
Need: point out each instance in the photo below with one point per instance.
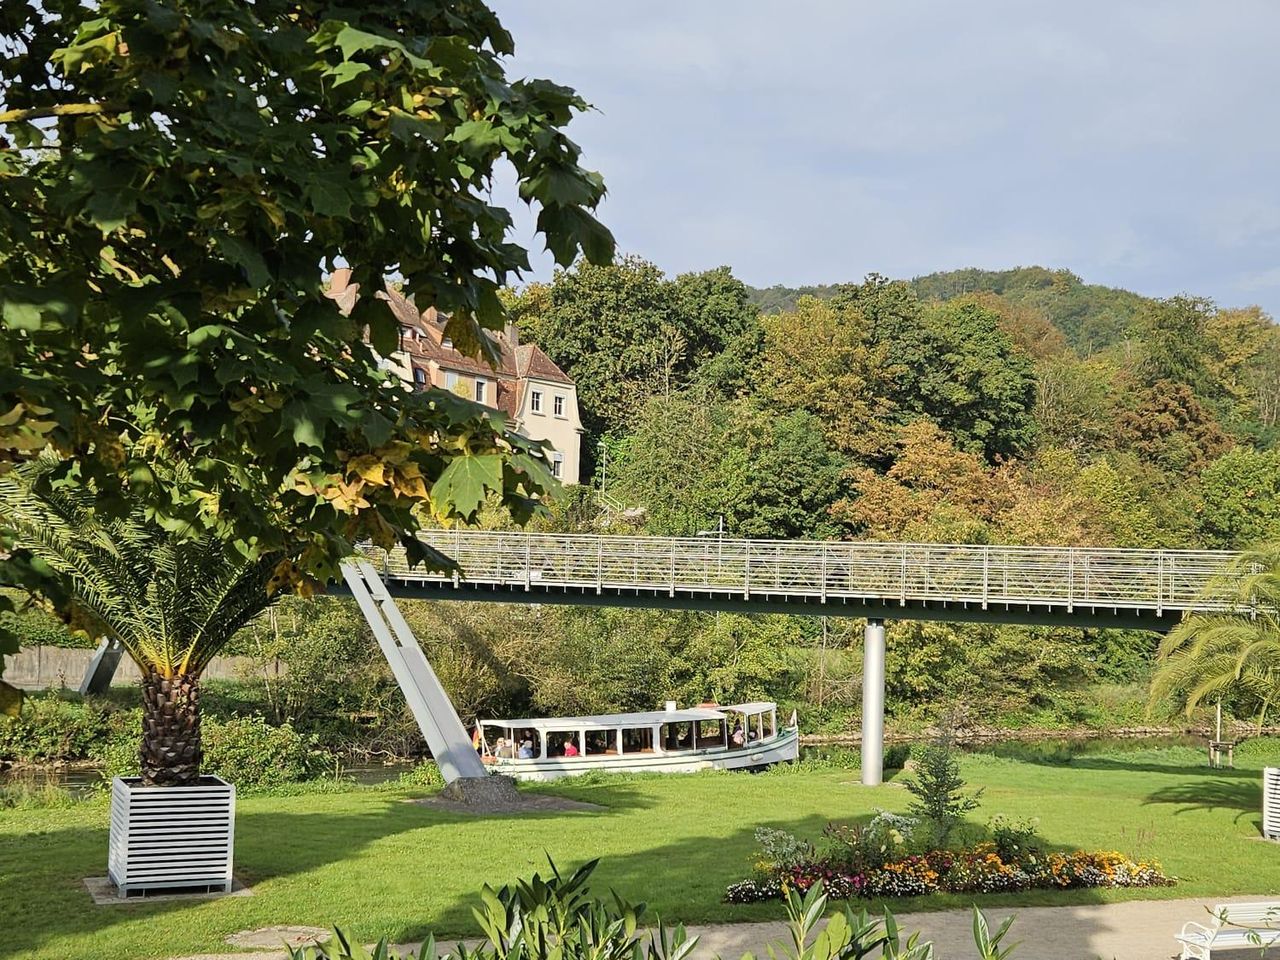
(1240, 499)
(768, 474)
(625, 333)
(178, 181)
(950, 362)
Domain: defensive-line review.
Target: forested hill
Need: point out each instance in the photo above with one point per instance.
(1091, 317)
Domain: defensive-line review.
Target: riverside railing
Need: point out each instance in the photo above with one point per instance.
(1059, 578)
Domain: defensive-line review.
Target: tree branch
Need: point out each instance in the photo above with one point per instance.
(57, 110)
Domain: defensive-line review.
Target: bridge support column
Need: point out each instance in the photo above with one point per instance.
(428, 700)
(873, 704)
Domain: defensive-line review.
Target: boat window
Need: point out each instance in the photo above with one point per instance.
(769, 728)
(710, 733)
(601, 741)
(558, 740)
(677, 736)
(637, 740)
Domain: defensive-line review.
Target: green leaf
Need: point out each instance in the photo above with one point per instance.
(297, 417)
(462, 487)
(567, 186)
(244, 256)
(31, 309)
(346, 71)
(109, 210)
(10, 700)
(567, 229)
(328, 197)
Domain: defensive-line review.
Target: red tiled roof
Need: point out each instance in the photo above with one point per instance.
(429, 342)
(532, 362)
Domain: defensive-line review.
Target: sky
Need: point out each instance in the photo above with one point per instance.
(815, 141)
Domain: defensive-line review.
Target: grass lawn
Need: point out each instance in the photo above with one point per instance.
(370, 861)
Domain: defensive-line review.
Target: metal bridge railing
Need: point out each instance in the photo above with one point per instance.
(1059, 577)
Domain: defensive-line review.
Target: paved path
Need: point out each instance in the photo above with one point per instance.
(1136, 930)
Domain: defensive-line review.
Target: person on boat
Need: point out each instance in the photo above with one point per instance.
(526, 750)
(739, 737)
(570, 748)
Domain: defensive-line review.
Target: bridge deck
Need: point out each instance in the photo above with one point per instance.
(1068, 585)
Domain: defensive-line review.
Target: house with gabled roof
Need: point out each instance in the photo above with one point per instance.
(527, 385)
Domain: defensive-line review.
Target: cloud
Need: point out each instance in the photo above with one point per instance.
(817, 141)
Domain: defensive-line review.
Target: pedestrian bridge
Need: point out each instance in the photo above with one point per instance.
(1072, 586)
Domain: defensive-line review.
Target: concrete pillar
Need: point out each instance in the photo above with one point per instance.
(873, 704)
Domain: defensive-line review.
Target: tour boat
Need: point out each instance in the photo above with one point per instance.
(744, 736)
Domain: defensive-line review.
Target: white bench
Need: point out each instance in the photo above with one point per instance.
(1234, 925)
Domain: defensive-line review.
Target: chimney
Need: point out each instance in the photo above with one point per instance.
(513, 335)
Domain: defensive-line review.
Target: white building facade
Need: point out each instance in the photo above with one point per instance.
(527, 385)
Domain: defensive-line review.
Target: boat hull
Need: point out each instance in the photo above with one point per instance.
(780, 749)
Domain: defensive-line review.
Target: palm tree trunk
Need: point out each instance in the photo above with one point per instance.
(171, 747)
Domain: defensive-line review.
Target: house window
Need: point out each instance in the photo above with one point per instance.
(419, 377)
(557, 465)
(535, 401)
(450, 380)
(558, 405)
(447, 343)
(480, 385)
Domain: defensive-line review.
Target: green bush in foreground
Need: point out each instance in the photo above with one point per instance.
(558, 918)
(51, 729)
(246, 751)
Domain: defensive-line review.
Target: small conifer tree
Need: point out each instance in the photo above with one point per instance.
(938, 787)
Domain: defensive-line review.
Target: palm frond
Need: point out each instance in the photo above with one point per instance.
(172, 601)
(1228, 655)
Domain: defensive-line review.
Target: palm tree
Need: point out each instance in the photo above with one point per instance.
(172, 601)
(1230, 654)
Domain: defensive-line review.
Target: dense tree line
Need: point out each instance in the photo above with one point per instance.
(1015, 407)
(939, 410)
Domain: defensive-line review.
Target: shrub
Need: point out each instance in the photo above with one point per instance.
(246, 751)
(538, 919)
(1015, 839)
(50, 729)
(423, 775)
(858, 848)
(896, 755)
(120, 757)
(249, 752)
(559, 918)
(781, 851)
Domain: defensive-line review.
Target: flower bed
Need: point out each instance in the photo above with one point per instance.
(875, 861)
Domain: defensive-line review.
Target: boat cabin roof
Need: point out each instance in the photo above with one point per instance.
(759, 706)
(612, 721)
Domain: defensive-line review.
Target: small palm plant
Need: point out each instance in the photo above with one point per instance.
(1233, 653)
(173, 602)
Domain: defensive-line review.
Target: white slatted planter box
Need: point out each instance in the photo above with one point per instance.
(171, 837)
(1271, 802)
